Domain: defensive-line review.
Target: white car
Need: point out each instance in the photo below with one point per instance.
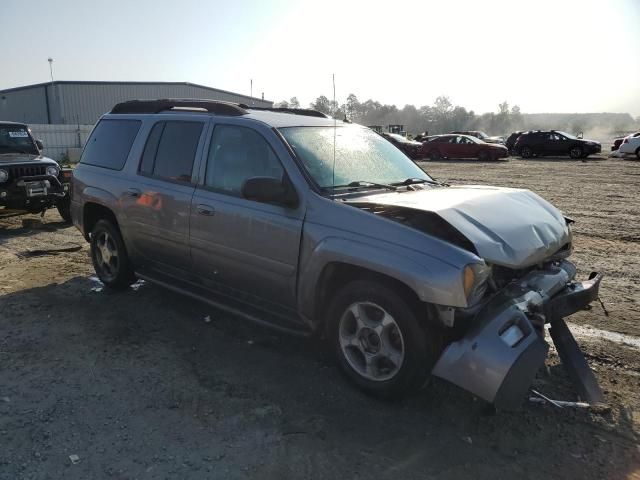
(631, 144)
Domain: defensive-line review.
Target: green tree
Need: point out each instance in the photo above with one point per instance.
(294, 103)
(322, 104)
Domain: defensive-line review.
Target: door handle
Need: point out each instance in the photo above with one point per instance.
(133, 192)
(206, 210)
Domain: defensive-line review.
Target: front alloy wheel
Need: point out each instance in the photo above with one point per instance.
(382, 339)
(371, 341)
(526, 152)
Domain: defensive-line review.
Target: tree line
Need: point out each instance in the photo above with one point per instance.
(443, 117)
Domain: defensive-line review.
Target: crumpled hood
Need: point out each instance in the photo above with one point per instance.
(510, 227)
(23, 158)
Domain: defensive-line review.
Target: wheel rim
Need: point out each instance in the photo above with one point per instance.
(435, 155)
(576, 152)
(526, 153)
(371, 341)
(106, 255)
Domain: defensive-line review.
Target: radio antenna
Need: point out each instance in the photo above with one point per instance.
(333, 181)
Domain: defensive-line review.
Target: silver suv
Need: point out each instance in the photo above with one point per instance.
(289, 218)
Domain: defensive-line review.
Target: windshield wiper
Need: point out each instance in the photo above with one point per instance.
(365, 183)
(414, 180)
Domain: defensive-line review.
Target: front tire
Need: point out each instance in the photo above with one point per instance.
(434, 155)
(526, 152)
(64, 209)
(109, 256)
(379, 341)
(484, 156)
(576, 152)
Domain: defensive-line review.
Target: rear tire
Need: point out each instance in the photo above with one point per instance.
(576, 152)
(378, 340)
(109, 256)
(484, 156)
(526, 152)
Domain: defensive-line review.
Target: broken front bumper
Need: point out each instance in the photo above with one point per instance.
(499, 356)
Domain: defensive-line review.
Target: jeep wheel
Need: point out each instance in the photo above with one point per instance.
(525, 152)
(378, 340)
(575, 152)
(64, 209)
(109, 256)
(435, 155)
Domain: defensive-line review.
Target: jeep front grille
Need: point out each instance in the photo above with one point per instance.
(19, 171)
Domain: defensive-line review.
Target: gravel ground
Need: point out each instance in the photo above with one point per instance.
(139, 385)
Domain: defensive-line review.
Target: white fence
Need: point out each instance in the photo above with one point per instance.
(62, 142)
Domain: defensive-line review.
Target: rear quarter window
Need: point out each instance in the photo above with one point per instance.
(110, 143)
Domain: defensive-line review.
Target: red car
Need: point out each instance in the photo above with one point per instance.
(463, 146)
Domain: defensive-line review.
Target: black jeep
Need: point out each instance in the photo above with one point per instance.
(29, 182)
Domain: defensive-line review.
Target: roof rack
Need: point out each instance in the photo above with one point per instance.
(164, 104)
(308, 112)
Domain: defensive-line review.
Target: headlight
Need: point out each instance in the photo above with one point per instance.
(53, 171)
(474, 281)
(4, 176)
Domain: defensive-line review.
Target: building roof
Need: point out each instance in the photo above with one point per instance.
(92, 82)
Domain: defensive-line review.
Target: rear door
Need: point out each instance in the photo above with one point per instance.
(238, 245)
(158, 202)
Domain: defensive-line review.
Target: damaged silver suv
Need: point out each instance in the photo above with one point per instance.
(289, 218)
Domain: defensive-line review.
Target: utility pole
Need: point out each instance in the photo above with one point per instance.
(50, 60)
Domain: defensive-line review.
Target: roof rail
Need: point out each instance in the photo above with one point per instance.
(164, 104)
(308, 112)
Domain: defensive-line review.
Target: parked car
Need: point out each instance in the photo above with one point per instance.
(482, 136)
(411, 148)
(311, 227)
(511, 141)
(30, 182)
(553, 142)
(618, 141)
(631, 144)
(463, 146)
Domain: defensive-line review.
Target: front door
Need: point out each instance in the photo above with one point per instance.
(158, 203)
(240, 245)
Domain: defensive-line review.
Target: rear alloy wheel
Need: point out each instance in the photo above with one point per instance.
(378, 340)
(435, 155)
(575, 152)
(109, 256)
(525, 152)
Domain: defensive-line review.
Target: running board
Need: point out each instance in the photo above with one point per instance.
(278, 323)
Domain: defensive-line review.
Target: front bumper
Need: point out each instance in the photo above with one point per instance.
(33, 193)
(487, 362)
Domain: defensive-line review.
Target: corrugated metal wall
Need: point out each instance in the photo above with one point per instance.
(84, 103)
(62, 141)
(28, 105)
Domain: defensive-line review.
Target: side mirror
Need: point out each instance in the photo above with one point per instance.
(39, 144)
(269, 190)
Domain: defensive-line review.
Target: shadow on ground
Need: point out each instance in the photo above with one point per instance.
(138, 384)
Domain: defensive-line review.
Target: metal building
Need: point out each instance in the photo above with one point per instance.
(78, 103)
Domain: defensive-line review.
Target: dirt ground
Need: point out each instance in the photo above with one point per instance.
(140, 385)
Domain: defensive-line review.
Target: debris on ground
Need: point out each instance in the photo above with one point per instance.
(75, 459)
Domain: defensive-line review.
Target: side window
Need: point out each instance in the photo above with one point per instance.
(110, 142)
(237, 154)
(171, 150)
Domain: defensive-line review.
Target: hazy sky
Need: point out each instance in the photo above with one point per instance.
(546, 56)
